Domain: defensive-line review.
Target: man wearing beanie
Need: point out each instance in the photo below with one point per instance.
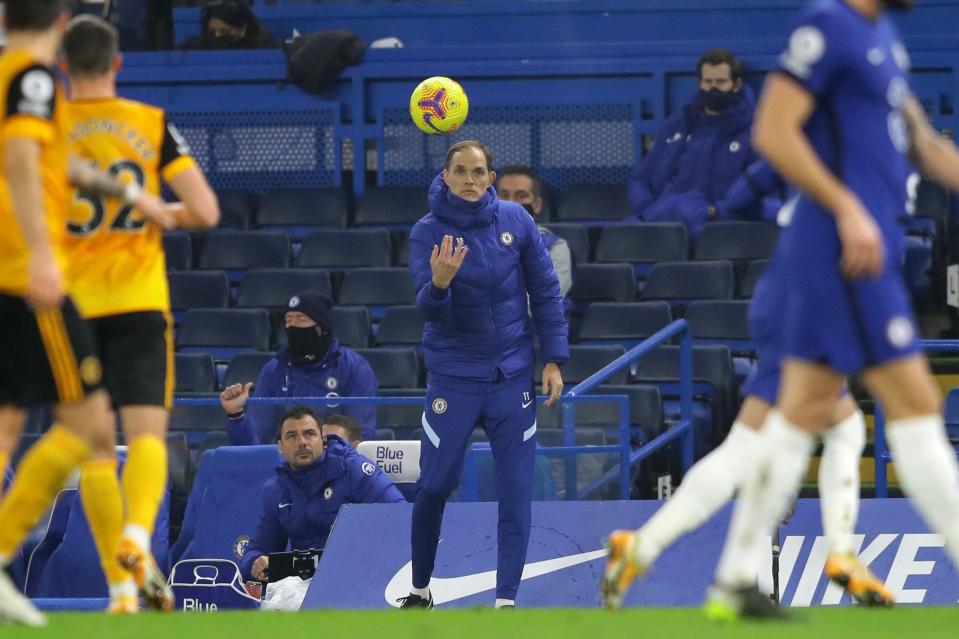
(312, 364)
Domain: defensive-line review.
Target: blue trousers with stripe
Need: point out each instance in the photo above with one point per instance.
(506, 409)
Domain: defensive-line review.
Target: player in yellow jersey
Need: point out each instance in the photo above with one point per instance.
(117, 274)
(47, 351)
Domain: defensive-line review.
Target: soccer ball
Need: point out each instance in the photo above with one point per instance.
(438, 105)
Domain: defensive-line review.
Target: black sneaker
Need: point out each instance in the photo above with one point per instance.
(415, 601)
(726, 604)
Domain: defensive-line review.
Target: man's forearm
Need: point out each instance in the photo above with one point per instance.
(21, 168)
(939, 159)
(86, 176)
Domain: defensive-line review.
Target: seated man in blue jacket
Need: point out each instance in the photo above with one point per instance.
(300, 504)
(700, 151)
(313, 364)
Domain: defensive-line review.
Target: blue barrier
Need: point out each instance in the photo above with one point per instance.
(682, 429)
(883, 455)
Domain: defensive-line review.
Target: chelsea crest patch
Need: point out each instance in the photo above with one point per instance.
(506, 238)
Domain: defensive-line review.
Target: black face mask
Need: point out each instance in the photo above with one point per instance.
(716, 100)
(898, 5)
(307, 346)
(529, 209)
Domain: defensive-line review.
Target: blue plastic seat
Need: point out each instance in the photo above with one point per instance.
(338, 250)
(604, 282)
(393, 367)
(576, 236)
(740, 241)
(377, 288)
(296, 211)
(224, 332)
(179, 250)
(721, 321)
(593, 203)
(240, 251)
(626, 324)
(237, 209)
(642, 245)
(391, 206)
(245, 367)
(195, 373)
(679, 282)
(747, 284)
(584, 360)
(197, 289)
(273, 288)
(401, 326)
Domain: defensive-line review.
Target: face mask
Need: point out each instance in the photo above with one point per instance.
(306, 344)
(529, 209)
(716, 100)
(898, 5)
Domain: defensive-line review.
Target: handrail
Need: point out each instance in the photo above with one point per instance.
(882, 454)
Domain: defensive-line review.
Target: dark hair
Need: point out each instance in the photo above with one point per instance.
(236, 13)
(715, 57)
(528, 171)
(466, 144)
(352, 427)
(33, 15)
(299, 411)
(89, 45)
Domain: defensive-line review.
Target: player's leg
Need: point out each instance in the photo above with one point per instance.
(450, 414)
(512, 433)
(806, 400)
(138, 356)
(11, 423)
(925, 461)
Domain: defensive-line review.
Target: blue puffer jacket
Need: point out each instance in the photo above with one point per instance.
(342, 373)
(694, 160)
(300, 506)
(480, 324)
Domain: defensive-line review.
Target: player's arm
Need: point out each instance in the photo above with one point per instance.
(935, 155)
(21, 168)
(85, 175)
(778, 135)
(198, 207)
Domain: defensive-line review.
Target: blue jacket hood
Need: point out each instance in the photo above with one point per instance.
(457, 211)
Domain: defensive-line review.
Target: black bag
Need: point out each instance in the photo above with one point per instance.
(315, 60)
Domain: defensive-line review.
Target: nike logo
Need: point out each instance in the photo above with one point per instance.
(526, 404)
(285, 505)
(447, 589)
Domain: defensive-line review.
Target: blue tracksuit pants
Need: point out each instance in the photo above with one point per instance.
(507, 410)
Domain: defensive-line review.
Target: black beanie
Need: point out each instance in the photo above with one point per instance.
(314, 305)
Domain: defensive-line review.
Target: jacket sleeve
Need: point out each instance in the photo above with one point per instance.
(743, 197)
(641, 190)
(375, 488)
(268, 536)
(363, 384)
(545, 300)
(562, 260)
(256, 425)
(434, 303)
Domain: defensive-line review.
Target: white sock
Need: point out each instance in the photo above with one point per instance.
(138, 534)
(929, 474)
(839, 481)
(420, 592)
(123, 589)
(705, 488)
(504, 602)
(782, 458)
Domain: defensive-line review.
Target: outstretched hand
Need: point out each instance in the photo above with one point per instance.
(446, 261)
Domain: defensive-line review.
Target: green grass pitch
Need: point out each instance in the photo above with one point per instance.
(814, 623)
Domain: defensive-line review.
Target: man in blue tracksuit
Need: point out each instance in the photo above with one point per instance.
(699, 152)
(313, 364)
(475, 260)
(300, 504)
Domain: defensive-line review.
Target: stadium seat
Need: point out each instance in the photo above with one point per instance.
(239, 251)
(180, 474)
(224, 332)
(576, 236)
(593, 203)
(645, 408)
(643, 245)
(713, 380)
(385, 434)
(377, 288)
(403, 419)
(679, 282)
(626, 324)
(393, 367)
(195, 420)
(195, 373)
(604, 282)
(721, 321)
(740, 241)
(298, 209)
(351, 325)
(584, 360)
(747, 284)
(339, 250)
(401, 241)
(198, 289)
(273, 288)
(391, 206)
(401, 326)
(245, 367)
(213, 440)
(236, 209)
(179, 251)
(951, 414)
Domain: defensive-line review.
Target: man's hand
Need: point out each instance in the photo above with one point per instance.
(863, 251)
(446, 261)
(233, 398)
(155, 210)
(44, 284)
(552, 383)
(260, 566)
